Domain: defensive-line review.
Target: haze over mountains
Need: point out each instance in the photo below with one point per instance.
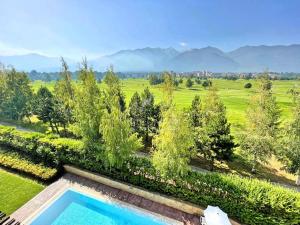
(245, 59)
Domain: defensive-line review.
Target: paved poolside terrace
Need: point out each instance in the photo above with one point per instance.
(98, 190)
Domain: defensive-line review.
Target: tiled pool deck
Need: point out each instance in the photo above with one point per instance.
(94, 188)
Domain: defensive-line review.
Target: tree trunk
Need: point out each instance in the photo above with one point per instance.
(211, 164)
(52, 128)
(298, 178)
(254, 163)
(56, 128)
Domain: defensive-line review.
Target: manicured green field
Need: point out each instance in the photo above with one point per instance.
(16, 191)
(233, 93)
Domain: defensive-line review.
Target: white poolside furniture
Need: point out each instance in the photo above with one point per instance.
(214, 216)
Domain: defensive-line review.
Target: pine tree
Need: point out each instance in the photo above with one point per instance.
(213, 138)
(189, 83)
(135, 113)
(195, 112)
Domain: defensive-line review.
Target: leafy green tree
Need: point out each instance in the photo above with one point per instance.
(289, 152)
(3, 88)
(154, 80)
(49, 110)
(197, 80)
(119, 140)
(180, 81)
(88, 108)
(168, 90)
(207, 83)
(174, 141)
(189, 83)
(259, 140)
(173, 145)
(213, 137)
(16, 95)
(114, 89)
(64, 90)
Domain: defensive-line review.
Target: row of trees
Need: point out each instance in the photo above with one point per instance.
(114, 132)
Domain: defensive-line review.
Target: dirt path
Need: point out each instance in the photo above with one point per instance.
(16, 126)
(200, 170)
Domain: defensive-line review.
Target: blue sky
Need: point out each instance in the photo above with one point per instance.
(74, 28)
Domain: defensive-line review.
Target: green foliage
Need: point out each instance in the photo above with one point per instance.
(207, 83)
(144, 115)
(259, 140)
(15, 94)
(212, 136)
(119, 141)
(114, 93)
(88, 108)
(248, 85)
(251, 201)
(154, 80)
(197, 80)
(135, 113)
(189, 83)
(290, 144)
(16, 162)
(49, 109)
(173, 145)
(195, 112)
(64, 91)
(168, 90)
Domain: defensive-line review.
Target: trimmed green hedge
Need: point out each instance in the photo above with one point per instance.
(251, 201)
(15, 162)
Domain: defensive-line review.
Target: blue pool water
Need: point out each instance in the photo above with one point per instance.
(74, 208)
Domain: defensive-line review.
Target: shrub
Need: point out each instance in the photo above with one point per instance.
(251, 201)
(15, 162)
(248, 85)
(189, 83)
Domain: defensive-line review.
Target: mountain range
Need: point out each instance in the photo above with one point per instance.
(279, 58)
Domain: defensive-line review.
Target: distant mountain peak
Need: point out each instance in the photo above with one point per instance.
(278, 58)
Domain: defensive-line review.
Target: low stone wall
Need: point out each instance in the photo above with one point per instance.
(156, 197)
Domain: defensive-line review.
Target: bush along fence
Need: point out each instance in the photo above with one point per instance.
(250, 201)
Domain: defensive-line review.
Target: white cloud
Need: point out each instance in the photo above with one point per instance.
(183, 44)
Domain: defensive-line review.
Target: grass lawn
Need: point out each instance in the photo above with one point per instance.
(15, 191)
(233, 94)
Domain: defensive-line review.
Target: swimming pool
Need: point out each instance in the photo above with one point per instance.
(75, 208)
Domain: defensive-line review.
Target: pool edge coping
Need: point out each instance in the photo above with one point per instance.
(97, 196)
(153, 196)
